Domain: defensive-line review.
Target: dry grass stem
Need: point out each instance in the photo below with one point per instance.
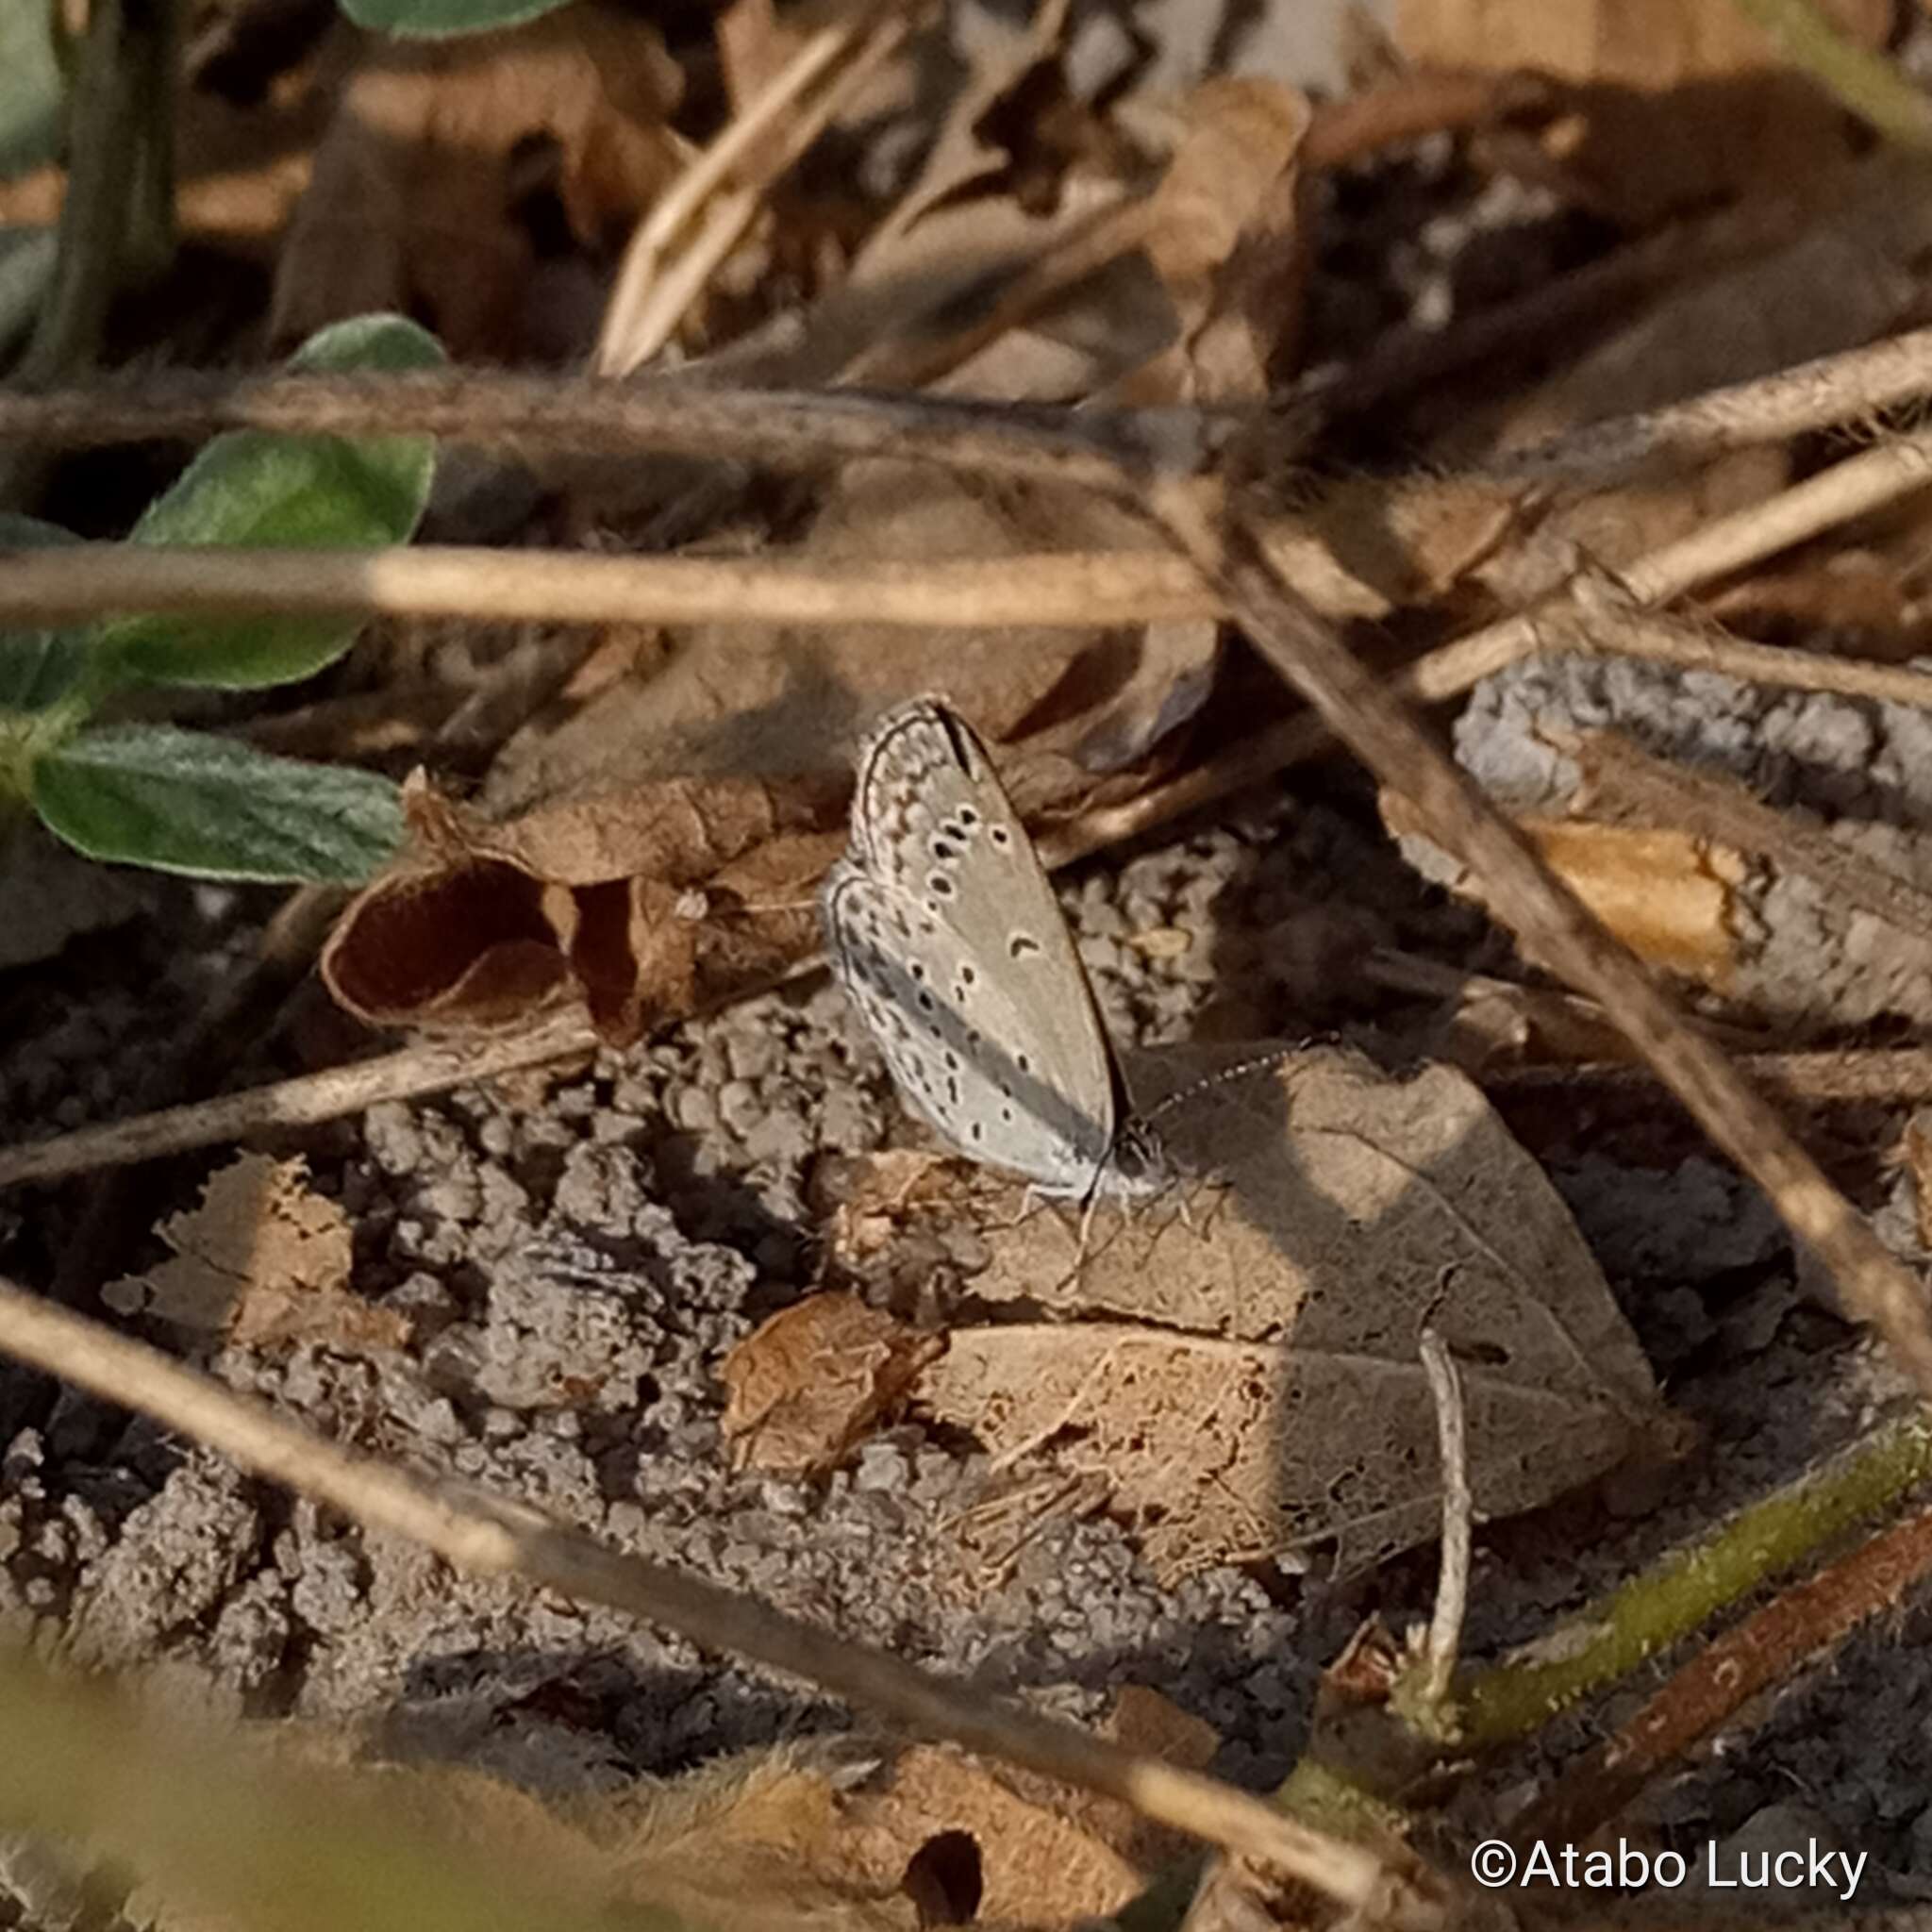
(1875, 476)
(495, 1537)
(1458, 1513)
(1616, 631)
(649, 301)
(1550, 919)
(617, 353)
(1794, 402)
(1074, 589)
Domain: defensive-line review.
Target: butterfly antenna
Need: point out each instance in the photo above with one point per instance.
(1220, 1077)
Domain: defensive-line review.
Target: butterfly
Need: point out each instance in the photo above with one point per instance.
(947, 937)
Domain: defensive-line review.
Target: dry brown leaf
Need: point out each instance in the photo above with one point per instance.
(414, 203)
(646, 906)
(1677, 102)
(804, 1386)
(1915, 1156)
(1225, 234)
(1667, 893)
(1250, 1383)
(263, 1261)
(726, 703)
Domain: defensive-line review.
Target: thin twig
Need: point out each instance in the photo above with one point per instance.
(1840, 1076)
(500, 1537)
(1799, 401)
(1409, 106)
(111, 136)
(1458, 1513)
(434, 1067)
(1548, 918)
(1414, 357)
(794, 430)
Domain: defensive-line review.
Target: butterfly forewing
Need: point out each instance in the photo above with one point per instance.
(949, 937)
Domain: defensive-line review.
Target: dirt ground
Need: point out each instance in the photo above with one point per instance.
(577, 1270)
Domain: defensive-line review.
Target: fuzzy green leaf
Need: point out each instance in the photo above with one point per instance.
(306, 492)
(183, 801)
(434, 20)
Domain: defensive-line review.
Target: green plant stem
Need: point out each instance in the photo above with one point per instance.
(1611, 1638)
(124, 84)
(149, 243)
(218, 1826)
(1867, 83)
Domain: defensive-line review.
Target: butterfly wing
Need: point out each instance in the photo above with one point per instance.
(949, 938)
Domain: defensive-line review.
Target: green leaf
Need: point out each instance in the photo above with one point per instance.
(308, 491)
(429, 19)
(33, 90)
(38, 668)
(182, 801)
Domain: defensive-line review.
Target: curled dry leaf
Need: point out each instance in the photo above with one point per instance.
(646, 906)
(1670, 895)
(420, 183)
(804, 1386)
(263, 1260)
(1247, 1379)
